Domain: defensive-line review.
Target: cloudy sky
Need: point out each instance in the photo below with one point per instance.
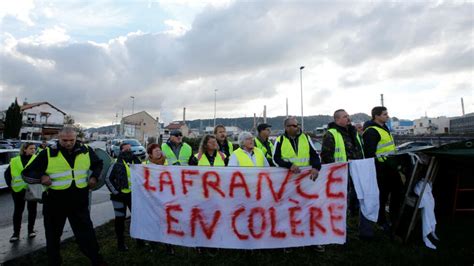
(88, 57)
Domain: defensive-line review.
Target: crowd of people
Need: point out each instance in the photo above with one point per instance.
(63, 169)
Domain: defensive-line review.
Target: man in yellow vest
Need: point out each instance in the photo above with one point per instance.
(379, 143)
(247, 155)
(293, 150)
(176, 151)
(118, 180)
(65, 169)
(263, 143)
(342, 143)
(225, 145)
(18, 186)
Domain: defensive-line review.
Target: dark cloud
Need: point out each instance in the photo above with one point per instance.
(245, 51)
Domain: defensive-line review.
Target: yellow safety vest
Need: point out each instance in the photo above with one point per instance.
(218, 160)
(246, 161)
(62, 174)
(149, 162)
(129, 178)
(386, 144)
(184, 153)
(339, 146)
(262, 147)
(288, 153)
(231, 147)
(16, 166)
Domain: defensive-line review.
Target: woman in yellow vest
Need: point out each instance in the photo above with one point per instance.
(118, 180)
(208, 154)
(247, 155)
(18, 186)
(155, 155)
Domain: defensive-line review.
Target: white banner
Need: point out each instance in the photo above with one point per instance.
(234, 207)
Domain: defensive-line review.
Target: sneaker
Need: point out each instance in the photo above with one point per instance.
(319, 248)
(32, 234)
(14, 238)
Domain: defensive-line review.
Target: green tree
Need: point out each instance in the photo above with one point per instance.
(13, 121)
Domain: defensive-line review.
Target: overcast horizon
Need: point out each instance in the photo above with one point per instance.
(89, 57)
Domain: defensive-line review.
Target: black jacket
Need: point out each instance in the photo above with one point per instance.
(116, 178)
(349, 135)
(32, 173)
(313, 155)
(371, 138)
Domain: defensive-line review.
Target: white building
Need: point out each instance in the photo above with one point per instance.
(402, 127)
(431, 126)
(41, 120)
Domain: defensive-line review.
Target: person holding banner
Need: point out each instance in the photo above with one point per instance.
(248, 155)
(64, 169)
(15, 182)
(155, 155)
(263, 143)
(293, 150)
(379, 143)
(118, 180)
(342, 143)
(176, 151)
(225, 145)
(208, 154)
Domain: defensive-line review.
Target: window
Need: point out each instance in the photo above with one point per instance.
(421, 124)
(31, 118)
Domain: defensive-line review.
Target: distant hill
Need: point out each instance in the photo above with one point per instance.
(246, 123)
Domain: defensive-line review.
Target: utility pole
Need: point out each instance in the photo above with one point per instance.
(381, 99)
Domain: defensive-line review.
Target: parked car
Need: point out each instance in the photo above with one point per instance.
(115, 147)
(5, 157)
(413, 145)
(137, 148)
(7, 144)
(36, 142)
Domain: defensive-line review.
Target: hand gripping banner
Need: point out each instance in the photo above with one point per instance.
(241, 208)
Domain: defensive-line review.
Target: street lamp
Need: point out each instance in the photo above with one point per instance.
(133, 104)
(215, 101)
(301, 83)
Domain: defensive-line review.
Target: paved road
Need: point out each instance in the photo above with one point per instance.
(101, 213)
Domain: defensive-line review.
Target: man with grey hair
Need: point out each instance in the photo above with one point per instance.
(247, 155)
(64, 169)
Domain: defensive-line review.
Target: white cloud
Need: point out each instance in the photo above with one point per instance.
(251, 53)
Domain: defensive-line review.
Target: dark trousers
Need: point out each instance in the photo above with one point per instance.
(72, 204)
(19, 206)
(121, 202)
(390, 184)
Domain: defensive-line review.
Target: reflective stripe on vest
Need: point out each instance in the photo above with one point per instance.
(218, 160)
(246, 161)
(184, 153)
(340, 147)
(16, 166)
(129, 178)
(262, 147)
(386, 145)
(288, 153)
(62, 174)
